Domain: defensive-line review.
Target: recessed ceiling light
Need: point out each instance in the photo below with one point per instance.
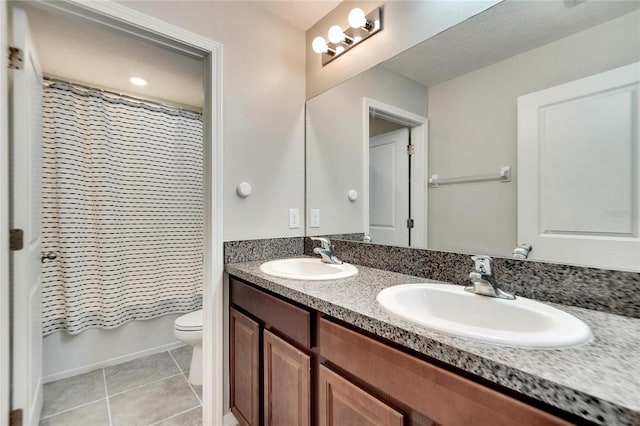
(138, 81)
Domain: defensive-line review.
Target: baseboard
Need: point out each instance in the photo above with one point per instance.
(229, 420)
(110, 362)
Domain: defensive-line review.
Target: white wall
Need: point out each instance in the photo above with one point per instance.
(66, 355)
(263, 82)
(335, 123)
(405, 24)
(472, 130)
(263, 85)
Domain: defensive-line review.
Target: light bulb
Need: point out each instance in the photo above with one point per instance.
(339, 50)
(319, 45)
(357, 18)
(336, 35)
(138, 81)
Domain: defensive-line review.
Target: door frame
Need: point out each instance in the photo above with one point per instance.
(419, 131)
(5, 327)
(141, 25)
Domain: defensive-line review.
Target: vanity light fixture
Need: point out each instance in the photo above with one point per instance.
(361, 27)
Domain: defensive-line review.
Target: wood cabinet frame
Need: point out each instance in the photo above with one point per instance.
(393, 383)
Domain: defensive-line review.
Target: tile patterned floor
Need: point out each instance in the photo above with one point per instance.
(153, 390)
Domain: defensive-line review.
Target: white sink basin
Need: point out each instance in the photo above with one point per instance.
(307, 269)
(452, 310)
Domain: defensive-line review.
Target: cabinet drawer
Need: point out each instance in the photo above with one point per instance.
(340, 402)
(290, 320)
(443, 396)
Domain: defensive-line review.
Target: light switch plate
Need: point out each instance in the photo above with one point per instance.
(294, 218)
(314, 218)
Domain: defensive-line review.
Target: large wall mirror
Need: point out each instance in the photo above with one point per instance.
(516, 126)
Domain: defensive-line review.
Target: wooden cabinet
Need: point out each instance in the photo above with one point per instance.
(271, 386)
(287, 383)
(280, 351)
(340, 402)
(244, 357)
(442, 396)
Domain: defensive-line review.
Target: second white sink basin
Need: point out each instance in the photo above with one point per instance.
(452, 310)
(307, 269)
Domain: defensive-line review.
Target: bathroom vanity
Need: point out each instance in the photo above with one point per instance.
(356, 378)
(323, 353)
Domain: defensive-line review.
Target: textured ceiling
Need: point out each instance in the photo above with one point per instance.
(506, 29)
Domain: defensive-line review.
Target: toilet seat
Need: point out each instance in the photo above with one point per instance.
(189, 322)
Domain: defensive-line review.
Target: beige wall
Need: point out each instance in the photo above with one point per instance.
(335, 123)
(472, 130)
(405, 24)
(263, 85)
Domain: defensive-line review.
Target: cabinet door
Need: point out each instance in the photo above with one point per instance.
(245, 368)
(440, 395)
(287, 381)
(340, 402)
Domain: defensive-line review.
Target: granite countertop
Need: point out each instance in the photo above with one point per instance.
(598, 381)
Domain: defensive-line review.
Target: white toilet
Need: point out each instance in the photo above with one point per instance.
(188, 329)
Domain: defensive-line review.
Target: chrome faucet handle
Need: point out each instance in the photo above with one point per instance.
(325, 243)
(483, 264)
(326, 251)
(483, 281)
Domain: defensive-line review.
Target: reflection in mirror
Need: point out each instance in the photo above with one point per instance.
(546, 88)
(396, 144)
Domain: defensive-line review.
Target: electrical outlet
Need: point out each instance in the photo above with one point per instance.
(294, 218)
(314, 218)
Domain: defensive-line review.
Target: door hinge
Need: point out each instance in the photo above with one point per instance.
(16, 58)
(411, 149)
(410, 223)
(15, 418)
(16, 239)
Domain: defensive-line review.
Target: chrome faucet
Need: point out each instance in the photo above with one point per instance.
(522, 251)
(484, 283)
(326, 251)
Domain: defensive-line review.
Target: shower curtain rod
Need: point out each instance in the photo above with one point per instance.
(122, 95)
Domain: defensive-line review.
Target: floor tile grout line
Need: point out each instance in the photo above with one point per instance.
(106, 391)
(177, 414)
(175, 361)
(72, 408)
(145, 384)
(185, 377)
(107, 396)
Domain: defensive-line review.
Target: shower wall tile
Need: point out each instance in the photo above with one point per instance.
(604, 290)
(271, 248)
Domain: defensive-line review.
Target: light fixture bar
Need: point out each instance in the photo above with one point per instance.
(373, 25)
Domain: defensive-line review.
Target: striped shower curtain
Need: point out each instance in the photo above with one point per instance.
(123, 210)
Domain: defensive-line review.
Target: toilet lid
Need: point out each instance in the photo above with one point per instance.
(189, 322)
